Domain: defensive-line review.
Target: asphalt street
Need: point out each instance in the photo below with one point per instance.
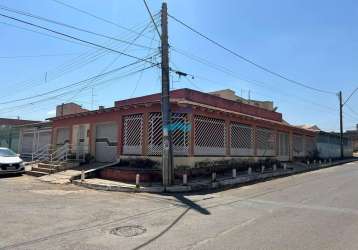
(314, 210)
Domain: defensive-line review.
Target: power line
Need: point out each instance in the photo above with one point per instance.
(113, 61)
(151, 17)
(85, 58)
(234, 75)
(90, 57)
(349, 97)
(71, 91)
(250, 61)
(95, 16)
(351, 109)
(68, 26)
(44, 34)
(72, 37)
(35, 56)
(141, 73)
(74, 84)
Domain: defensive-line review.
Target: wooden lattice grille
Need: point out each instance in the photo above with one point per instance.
(180, 133)
(133, 134)
(241, 137)
(298, 145)
(265, 141)
(209, 136)
(283, 144)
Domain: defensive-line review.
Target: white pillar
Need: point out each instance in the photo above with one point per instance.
(285, 166)
(274, 167)
(185, 179)
(249, 171)
(234, 173)
(83, 176)
(262, 168)
(137, 179)
(213, 177)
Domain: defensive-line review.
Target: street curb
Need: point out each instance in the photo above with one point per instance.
(208, 185)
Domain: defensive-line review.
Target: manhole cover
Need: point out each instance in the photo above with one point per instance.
(128, 231)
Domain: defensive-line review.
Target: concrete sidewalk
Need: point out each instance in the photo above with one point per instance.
(66, 177)
(200, 184)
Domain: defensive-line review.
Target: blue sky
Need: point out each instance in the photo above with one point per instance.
(315, 42)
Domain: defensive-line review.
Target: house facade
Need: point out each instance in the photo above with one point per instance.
(10, 132)
(203, 126)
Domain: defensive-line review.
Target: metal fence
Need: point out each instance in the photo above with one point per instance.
(310, 145)
(283, 144)
(209, 136)
(265, 142)
(241, 138)
(179, 127)
(298, 145)
(133, 134)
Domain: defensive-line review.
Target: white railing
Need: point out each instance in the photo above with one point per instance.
(60, 154)
(42, 153)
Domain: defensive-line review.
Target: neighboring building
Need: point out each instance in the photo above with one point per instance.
(27, 136)
(69, 108)
(230, 95)
(204, 127)
(34, 137)
(37, 136)
(9, 134)
(353, 135)
(328, 144)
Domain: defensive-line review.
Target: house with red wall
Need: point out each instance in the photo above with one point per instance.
(203, 126)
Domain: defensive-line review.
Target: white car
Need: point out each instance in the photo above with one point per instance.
(10, 162)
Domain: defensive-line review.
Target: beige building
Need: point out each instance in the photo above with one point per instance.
(231, 95)
(69, 109)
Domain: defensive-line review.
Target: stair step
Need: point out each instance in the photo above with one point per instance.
(44, 169)
(35, 173)
(48, 165)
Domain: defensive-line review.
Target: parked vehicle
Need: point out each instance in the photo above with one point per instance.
(10, 162)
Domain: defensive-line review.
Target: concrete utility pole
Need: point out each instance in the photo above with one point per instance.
(341, 121)
(341, 105)
(167, 155)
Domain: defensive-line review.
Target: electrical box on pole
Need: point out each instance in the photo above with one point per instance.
(167, 154)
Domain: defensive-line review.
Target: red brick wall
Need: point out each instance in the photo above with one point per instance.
(129, 175)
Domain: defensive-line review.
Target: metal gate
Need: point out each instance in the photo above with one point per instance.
(106, 142)
(310, 146)
(283, 144)
(133, 134)
(44, 138)
(179, 127)
(298, 145)
(63, 136)
(27, 143)
(209, 136)
(265, 141)
(241, 139)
